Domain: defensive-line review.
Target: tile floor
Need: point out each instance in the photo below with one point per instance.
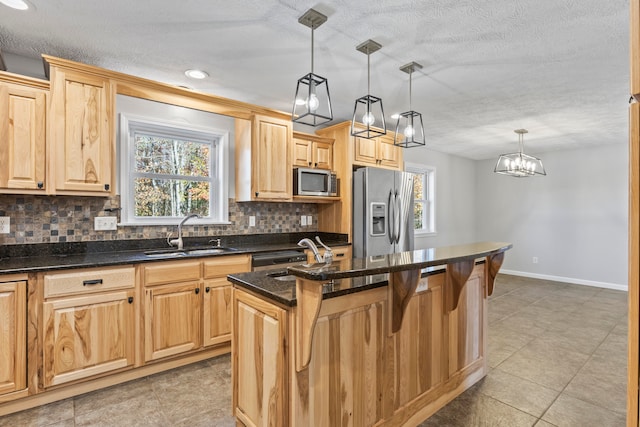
(557, 356)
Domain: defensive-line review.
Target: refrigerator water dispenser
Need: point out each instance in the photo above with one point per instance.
(378, 219)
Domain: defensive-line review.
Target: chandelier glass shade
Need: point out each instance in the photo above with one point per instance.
(312, 103)
(368, 113)
(519, 164)
(409, 127)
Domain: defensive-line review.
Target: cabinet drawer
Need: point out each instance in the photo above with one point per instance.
(221, 266)
(88, 281)
(171, 272)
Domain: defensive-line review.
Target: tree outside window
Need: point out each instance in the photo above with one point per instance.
(423, 194)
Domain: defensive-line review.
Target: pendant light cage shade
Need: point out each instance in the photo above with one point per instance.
(409, 130)
(519, 165)
(368, 118)
(368, 113)
(312, 105)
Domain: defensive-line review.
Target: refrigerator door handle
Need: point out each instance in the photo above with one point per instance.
(391, 217)
(397, 219)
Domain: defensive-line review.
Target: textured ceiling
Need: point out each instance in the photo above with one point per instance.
(558, 68)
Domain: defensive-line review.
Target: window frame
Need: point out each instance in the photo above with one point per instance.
(219, 181)
(429, 174)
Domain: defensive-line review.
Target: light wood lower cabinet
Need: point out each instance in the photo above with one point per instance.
(260, 368)
(13, 344)
(88, 323)
(171, 319)
(216, 312)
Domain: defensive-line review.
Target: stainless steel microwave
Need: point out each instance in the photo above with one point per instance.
(314, 182)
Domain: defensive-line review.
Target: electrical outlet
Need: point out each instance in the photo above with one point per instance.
(5, 224)
(535, 259)
(105, 223)
(252, 221)
(303, 220)
(309, 220)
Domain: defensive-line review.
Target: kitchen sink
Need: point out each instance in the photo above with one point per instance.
(210, 251)
(165, 253)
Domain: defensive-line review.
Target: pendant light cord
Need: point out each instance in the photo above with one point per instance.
(368, 74)
(410, 109)
(312, 49)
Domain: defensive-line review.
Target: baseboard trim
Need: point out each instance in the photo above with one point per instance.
(605, 285)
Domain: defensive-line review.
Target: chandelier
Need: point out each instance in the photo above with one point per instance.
(518, 164)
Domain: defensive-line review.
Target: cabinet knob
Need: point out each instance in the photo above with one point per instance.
(130, 300)
(257, 194)
(106, 187)
(207, 289)
(309, 163)
(40, 184)
(197, 291)
(315, 165)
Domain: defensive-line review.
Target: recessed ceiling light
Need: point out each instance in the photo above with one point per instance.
(16, 4)
(196, 74)
(395, 116)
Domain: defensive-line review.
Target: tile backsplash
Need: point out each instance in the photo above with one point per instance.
(53, 219)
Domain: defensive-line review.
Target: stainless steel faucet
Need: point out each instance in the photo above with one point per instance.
(178, 242)
(309, 244)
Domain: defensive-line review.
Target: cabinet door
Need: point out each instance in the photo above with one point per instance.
(216, 312)
(302, 155)
(260, 362)
(13, 340)
(22, 137)
(365, 151)
(171, 320)
(389, 155)
(88, 335)
(82, 134)
(323, 155)
(272, 160)
(635, 47)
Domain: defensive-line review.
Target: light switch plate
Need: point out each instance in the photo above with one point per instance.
(303, 220)
(252, 221)
(105, 223)
(5, 224)
(309, 220)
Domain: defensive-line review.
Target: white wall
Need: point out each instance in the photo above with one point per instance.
(455, 198)
(574, 220)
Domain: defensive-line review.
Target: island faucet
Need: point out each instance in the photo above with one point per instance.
(178, 242)
(309, 244)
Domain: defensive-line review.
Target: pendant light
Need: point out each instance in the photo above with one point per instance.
(312, 103)
(368, 109)
(518, 164)
(409, 128)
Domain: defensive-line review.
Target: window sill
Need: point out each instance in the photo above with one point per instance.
(418, 233)
(171, 224)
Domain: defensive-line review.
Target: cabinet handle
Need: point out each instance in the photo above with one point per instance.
(197, 291)
(257, 194)
(207, 289)
(40, 184)
(309, 163)
(130, 300)
(92, 282)
(315, 165)
(339, 255)
(106, 187)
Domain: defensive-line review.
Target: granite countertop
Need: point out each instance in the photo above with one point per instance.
(409, 260)
(58, 256)
(355, 275)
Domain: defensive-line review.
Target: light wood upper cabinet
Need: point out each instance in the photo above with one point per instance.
(88, 323)
(22, 138)
(13, 342)
(310, 151)
(81, 131)
(378, 152)
(263, 159)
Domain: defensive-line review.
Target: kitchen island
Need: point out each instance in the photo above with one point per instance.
(385, 340)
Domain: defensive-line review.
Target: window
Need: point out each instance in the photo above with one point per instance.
(423, 195)
(170, 171)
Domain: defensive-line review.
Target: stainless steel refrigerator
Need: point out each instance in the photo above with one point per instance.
(383, 219)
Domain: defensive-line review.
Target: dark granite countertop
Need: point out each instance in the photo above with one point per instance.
(57, 256)
(355, 275)
(410, 260)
